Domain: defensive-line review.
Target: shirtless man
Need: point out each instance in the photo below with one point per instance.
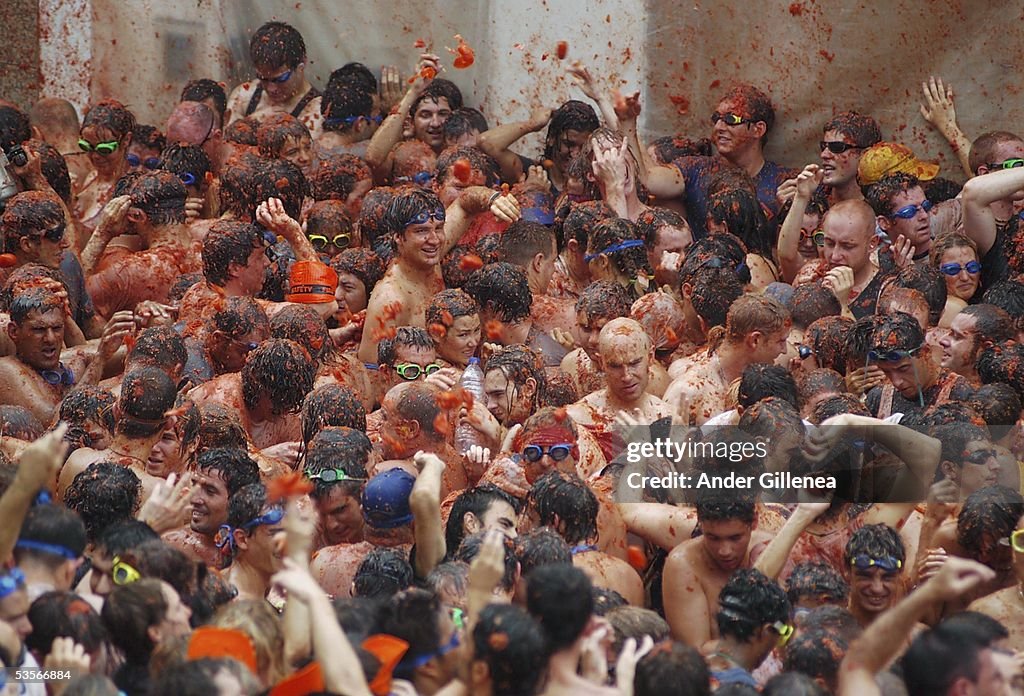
(626, 353)
(1004, 605)
(251, 541)
(219, 474)
(267, 394)
(697, 569)
(413, 421)
(756, 329)
(35, 377)
(601, 302)
(531, 246)
(424, 232)
(146, 395)
(974, 328)
(278, 53)
(563, 502)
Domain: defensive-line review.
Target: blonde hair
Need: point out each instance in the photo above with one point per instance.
(747, 314)
(257, 620)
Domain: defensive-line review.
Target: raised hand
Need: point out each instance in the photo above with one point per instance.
(938, 108)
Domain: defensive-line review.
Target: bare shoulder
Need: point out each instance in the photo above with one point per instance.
(239, 99)
(990, 604)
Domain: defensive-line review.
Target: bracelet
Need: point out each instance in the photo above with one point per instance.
(494, 197)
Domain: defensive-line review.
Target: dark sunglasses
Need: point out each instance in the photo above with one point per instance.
(422, 217)
(866, 562)
(104, 149)
(981, 456)
(411, 371)
(837, 147)
(908, 212)
(340, 241)
(730, 119)
(283, 77)
(534, 453)
(952, 269)
(54, 234)
(148, 163)
(1012, 163)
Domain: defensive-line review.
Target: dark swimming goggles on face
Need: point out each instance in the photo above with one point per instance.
(805, 352)
(424, 216)
(148, 163)
(534, 453)
(283, 77)
(953, 269)
(1011, 163)
(981, 456)
(865, 562)
(188, 178)
(879, 355)
(908, 212)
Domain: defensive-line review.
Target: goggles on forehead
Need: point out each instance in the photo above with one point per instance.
(107, 148)
(148, 163)
(865, 562)
(271, 516)
(332, 475)
(953, 269)
(122, 573)
(621, 246)
(10, 582)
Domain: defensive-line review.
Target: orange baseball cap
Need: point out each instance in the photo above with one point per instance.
(311, 282)
(883, 159)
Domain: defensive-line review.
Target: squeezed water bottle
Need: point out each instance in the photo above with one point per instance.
(473, 382)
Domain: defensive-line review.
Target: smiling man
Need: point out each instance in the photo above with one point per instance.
(845, 138)
(874, 563)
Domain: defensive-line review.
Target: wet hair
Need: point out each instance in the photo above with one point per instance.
(148, 137)
(990, 322)
(723, 250)
(418, 402)
(18, 422)
(560, 598)
(451, 577)
(439, 88)
(205, 88)
(232, 465)
(770, 418)
(406, 337)
(820, 381)
(741, 213)
(881, 194)
(338, 448)
(35, 300)
(613, 232)
(572, 115)
(984, 146)
(103, 494)
(463, 122)
(160, 195)
(672, 667)
(111, 115)
(335, 177)
(652, 220)
(954, 437)
(1008, 295)
(512, 645)
(477, 159)
(999, 405)
(448, 305)
(228, 243)
(579, 221)
(519, 363)
(274, 132)
(875, 541)
(952, 240)
(53, 166)
(219, 427)
(912, 302)
(523, 240)
(860, 128)
(278, 178)
(186, 159)
(819, 580)
(15, 126)
(282, 371)
(304, 326)
(412, 615)
(721, 506)
(128, 613)
(329, 218)
(363, 264)
(827, 338)
(896, 331)
(758, 105)
(237, 185)
(811, 302)
(834, 405)
(669, 148)
(382, 573)
(929, 282)
(64, 615)
(940, 189)
(604, 299)
(714, 290)
(332, 405)
(344, 101)
(158, 346)
(471, 546)
(539, 547)
(27, 214)
(118, 537)
(242, 132)
(406, 203)
(355, 74)
(750, 313)
(749, 601)
(761, 381)
(27, 278)
(147, 393)
(815, 654)
(992, 511)
(54, 525)
(501, 288)
(941, 655)
(565, 496)
(478, 501)
(277, 45)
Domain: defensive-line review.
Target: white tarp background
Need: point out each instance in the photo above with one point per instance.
(813, 57)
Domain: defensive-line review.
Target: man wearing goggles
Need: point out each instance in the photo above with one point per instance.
(250, 541)
(739, 129)
(902, 209)
(278, 53)
(874, 560)
(410, 356)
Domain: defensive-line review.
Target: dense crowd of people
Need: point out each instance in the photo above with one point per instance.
(343, 392)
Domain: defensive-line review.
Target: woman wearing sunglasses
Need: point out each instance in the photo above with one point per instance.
(105, 136)
(956, 257)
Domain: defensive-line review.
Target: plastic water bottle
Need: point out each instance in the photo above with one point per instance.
(473, 382)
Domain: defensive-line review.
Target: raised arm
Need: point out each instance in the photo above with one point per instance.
(474, 200)
(585, 81)
(425, 503)
(978, 194)
(774, 557)
(111, 224)
(390, 131)
(299, 528)
(883, 639)
(496, 142)
(790, 260)
(37, 470)
(663, 181)
(271, 214)
(938, 110)
(661, 524)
